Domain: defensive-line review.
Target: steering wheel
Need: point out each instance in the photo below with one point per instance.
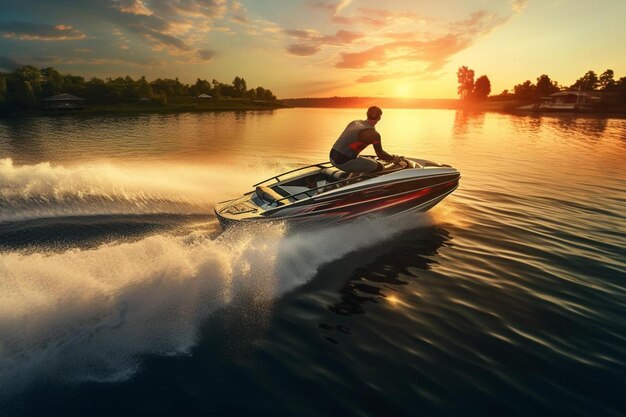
(402, 163)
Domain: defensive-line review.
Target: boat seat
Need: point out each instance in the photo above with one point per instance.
(333, 174)
(269, 195)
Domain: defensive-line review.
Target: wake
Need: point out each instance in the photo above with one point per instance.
(88, 314)
(44, 191)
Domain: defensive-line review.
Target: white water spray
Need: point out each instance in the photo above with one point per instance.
(43, 190)
(89, 314)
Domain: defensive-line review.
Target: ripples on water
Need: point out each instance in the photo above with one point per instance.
(120, 295)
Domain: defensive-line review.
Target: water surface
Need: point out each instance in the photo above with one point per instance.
(119, 293)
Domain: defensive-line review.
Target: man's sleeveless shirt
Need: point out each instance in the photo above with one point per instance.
(348, 143)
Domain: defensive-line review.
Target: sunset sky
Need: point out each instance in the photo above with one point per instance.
(317, 48)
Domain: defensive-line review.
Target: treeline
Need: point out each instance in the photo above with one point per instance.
(24, 88)
(590, 81)
(480, 89)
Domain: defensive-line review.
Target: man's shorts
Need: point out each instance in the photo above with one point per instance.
(358, 164)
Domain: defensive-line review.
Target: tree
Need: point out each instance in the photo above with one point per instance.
(200, 87)
(96, 91)
(545, 86)
(239, 87)
(465, 77)
(620, 87)
(260, 91)
(130, 92)
(161, 98)
(24, 88)
(606, 81)
(3, 90)
(74, 84)
(525, 91)
(251, 94)
(482, 88)
(143, 88)
(587, 82)
(51, 82)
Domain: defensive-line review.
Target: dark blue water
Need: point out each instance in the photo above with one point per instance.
(120, 294)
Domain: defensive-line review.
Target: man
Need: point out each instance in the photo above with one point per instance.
(356, 137)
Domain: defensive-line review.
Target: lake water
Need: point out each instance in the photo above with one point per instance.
(120, 294)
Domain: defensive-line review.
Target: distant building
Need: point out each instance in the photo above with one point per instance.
(204, 97)
(567, 101)
(63, 102)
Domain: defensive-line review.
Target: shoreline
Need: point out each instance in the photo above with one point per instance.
(184, 105)
(176, 106)
(490, 105)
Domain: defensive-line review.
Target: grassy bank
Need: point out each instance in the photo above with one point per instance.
(512, 106)
(175, 105)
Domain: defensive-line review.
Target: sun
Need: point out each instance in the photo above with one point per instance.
(402, 90)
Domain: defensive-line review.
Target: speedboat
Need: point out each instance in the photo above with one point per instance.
(321, 193)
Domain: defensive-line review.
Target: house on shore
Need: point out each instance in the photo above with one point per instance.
(204, 97)
(63, 102)
(567, 101)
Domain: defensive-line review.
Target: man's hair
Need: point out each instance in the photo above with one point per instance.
(374, 113)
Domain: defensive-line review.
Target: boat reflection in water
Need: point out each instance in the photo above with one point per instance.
(387, 277)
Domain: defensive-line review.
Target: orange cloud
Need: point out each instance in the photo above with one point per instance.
(364, 15)
(428, 55)
(301, 49)
(312, 42)
(376, 54)
(133, 7)
(205, 54)
(39, 31)
(519, 5)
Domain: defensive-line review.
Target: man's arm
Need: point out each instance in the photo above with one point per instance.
(382, 154)
(371, 136)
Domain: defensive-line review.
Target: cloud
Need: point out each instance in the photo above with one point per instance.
(519, 5)
(376, 54)
(301, 49)
(174, 27)
(427, 55)
(205, 54)
(239, 13)
(133, 7)
(27, 31)
(312, 42)
(175, 33)
(341, 37)
(435, 53)
(120, 60)
(333, 8)
(211, 9)
(364, 15)
(371, 78)
(158, 37)
(301, 34)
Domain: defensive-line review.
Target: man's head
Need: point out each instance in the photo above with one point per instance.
(374, 114)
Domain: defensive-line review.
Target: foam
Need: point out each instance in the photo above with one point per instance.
(44, 190)
(90, 314)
